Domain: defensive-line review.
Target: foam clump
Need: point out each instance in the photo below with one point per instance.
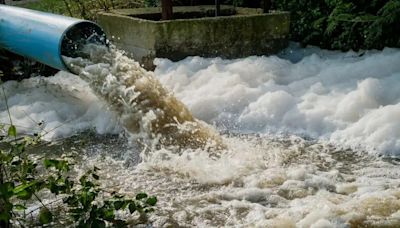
(350, 99)
(55, 107)
(270, 177)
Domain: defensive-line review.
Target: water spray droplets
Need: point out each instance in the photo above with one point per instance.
(143, 104)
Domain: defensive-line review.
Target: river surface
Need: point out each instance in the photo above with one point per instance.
(312, 139)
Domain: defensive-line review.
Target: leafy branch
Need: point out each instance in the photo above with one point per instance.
(345, 24)
(22, 179)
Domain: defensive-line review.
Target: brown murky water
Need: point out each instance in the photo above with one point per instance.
(143, 104)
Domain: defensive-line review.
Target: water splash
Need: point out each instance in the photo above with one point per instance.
(145, 107)
(260, 180)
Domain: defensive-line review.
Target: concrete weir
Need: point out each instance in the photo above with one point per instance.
(194, 31)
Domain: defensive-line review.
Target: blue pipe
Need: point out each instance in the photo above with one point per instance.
(45, 37)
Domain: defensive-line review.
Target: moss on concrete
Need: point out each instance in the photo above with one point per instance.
(249, 32)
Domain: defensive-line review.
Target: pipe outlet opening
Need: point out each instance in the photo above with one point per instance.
(77, 36)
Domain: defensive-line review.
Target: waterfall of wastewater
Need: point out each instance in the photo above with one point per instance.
(146, 109)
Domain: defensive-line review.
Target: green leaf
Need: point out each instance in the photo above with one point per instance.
(60, 165)
(71, 201)
(344, 17)
(12, 131)
(119, 223)
(23, 187)
(53, 188)
(24, 194)
(317, 24)
(45, 216)
(5, 216)
(95, 176)
(6, 190)
(148, 210)
(141, 196)
(6, 158)
(20, 147)
(98, 223)
(151, 201)
(132, 207)
(109, 215)
(118, 204)
(50, 163)
(25, 191)
(332, 25)
(83, 223)
(82, 180)
(19, 207)
(85, 199)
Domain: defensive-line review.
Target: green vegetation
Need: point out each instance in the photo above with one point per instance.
(53, 6)
(331, 24)
(80, 8)
(344, 24)
(340, 24)
(78, 202)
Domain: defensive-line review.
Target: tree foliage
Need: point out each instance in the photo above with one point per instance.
(344, 24)
(335, 24)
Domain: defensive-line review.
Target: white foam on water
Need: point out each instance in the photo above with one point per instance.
(340, 97)
(55, 107)
(263, 182)
(267, 176)
(344, 98)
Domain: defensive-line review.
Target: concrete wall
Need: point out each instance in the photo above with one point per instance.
(248, 32)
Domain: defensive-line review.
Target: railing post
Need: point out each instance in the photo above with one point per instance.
(217, 8)
(166, 6)
(267, 5)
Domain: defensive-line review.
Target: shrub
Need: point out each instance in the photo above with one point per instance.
(340, 24)
(22, 179)
(344, 24)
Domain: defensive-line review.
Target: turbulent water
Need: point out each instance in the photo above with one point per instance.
(312, 138)
(146, 109)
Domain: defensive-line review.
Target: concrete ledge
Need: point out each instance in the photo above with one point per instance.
(240, 32)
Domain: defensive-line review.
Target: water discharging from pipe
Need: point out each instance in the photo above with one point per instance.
(264, 178)
(337, 100)
(145, 107)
